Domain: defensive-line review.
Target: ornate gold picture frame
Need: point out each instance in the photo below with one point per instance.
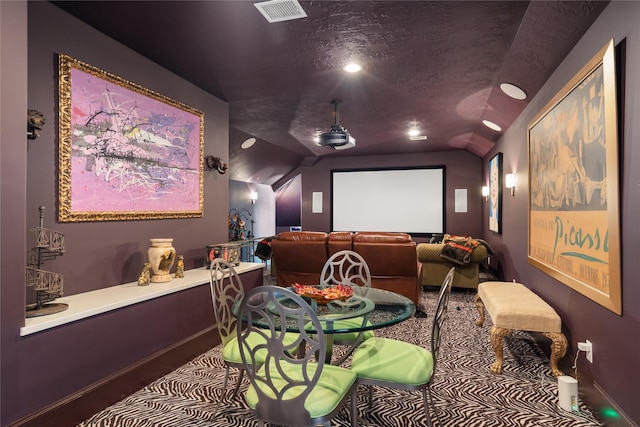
(125, 152)
(574, 230)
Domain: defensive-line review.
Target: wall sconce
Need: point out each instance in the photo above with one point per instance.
(510, 182)
(216, 163)
(35, 122)
(485, 192)
(254, 197)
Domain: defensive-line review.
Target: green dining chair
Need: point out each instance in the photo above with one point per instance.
(397, 364)
(224, 294)
(290, 390)
(226, 291)
(348, 268)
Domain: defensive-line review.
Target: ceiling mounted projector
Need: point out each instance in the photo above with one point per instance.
(337, 138)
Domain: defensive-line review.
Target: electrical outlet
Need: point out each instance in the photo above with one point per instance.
(587, 347)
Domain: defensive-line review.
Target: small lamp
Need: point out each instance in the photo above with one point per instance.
(510, 182)
(485, 192)
(254, 197)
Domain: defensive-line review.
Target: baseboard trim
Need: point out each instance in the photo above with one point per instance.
(597, 399)
(622, 421)
(92, 399)
(589, 391)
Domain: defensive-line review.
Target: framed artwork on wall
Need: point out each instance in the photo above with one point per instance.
(125, 152)
(574, 231)
(495, 193)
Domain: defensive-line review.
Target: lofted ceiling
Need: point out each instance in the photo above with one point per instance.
(436, 64)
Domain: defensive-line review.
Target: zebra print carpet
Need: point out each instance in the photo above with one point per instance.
(465, 393)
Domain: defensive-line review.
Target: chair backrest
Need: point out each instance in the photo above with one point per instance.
(440, 315)
(287, 377)
(224, 294)
(346, 268)
(298, 256)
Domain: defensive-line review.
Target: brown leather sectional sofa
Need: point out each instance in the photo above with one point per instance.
(298, 257)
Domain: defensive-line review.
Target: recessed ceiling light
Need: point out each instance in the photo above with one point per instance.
(492, 125)
(418, 138)
(247, 143)
(513, 91)
(353, 67)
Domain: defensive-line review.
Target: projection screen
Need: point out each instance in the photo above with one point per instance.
(403, 200)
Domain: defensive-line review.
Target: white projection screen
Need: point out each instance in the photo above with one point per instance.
(403, 200)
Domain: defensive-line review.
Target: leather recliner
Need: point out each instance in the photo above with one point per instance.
(298, 257)
(392, 261)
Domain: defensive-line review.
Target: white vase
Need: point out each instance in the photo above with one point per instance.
(161, 255)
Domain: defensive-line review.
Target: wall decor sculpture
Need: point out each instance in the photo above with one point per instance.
(125, 152)
(35, 123)
(574, 231)
(495, 193)
(47, 285)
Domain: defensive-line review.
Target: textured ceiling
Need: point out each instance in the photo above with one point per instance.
(436, 63)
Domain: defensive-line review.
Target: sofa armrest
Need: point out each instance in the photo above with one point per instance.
(479, 254)
(430, 252)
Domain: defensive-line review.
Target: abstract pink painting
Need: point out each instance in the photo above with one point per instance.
(126, 152)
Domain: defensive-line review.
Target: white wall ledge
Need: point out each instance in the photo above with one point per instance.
(88, 304)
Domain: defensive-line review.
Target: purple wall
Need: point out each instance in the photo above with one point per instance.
(41, 369)
(13, 178)
(101, 254)
(104, 254)
(288, 205)
(463, 170)
(616, 339)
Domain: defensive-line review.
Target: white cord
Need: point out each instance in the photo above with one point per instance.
(576, 410)
(575, 364)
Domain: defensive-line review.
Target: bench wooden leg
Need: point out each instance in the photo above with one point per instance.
(558, 350)
(497, 338)
(480, 308)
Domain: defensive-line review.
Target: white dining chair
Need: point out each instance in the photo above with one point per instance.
(226, 291)
(398, 364)
(348, 268)
(290, 388)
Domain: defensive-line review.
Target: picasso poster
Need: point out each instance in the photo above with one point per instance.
(574, 231)
(125, 152)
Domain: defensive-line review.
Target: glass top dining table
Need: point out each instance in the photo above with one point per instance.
(376, 308)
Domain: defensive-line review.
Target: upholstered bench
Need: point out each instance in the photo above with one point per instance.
(513, 306)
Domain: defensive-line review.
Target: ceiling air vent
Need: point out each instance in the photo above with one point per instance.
(280, 10)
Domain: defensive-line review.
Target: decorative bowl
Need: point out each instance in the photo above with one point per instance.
(323, 295)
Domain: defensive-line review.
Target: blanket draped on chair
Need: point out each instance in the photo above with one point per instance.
(458, 249)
